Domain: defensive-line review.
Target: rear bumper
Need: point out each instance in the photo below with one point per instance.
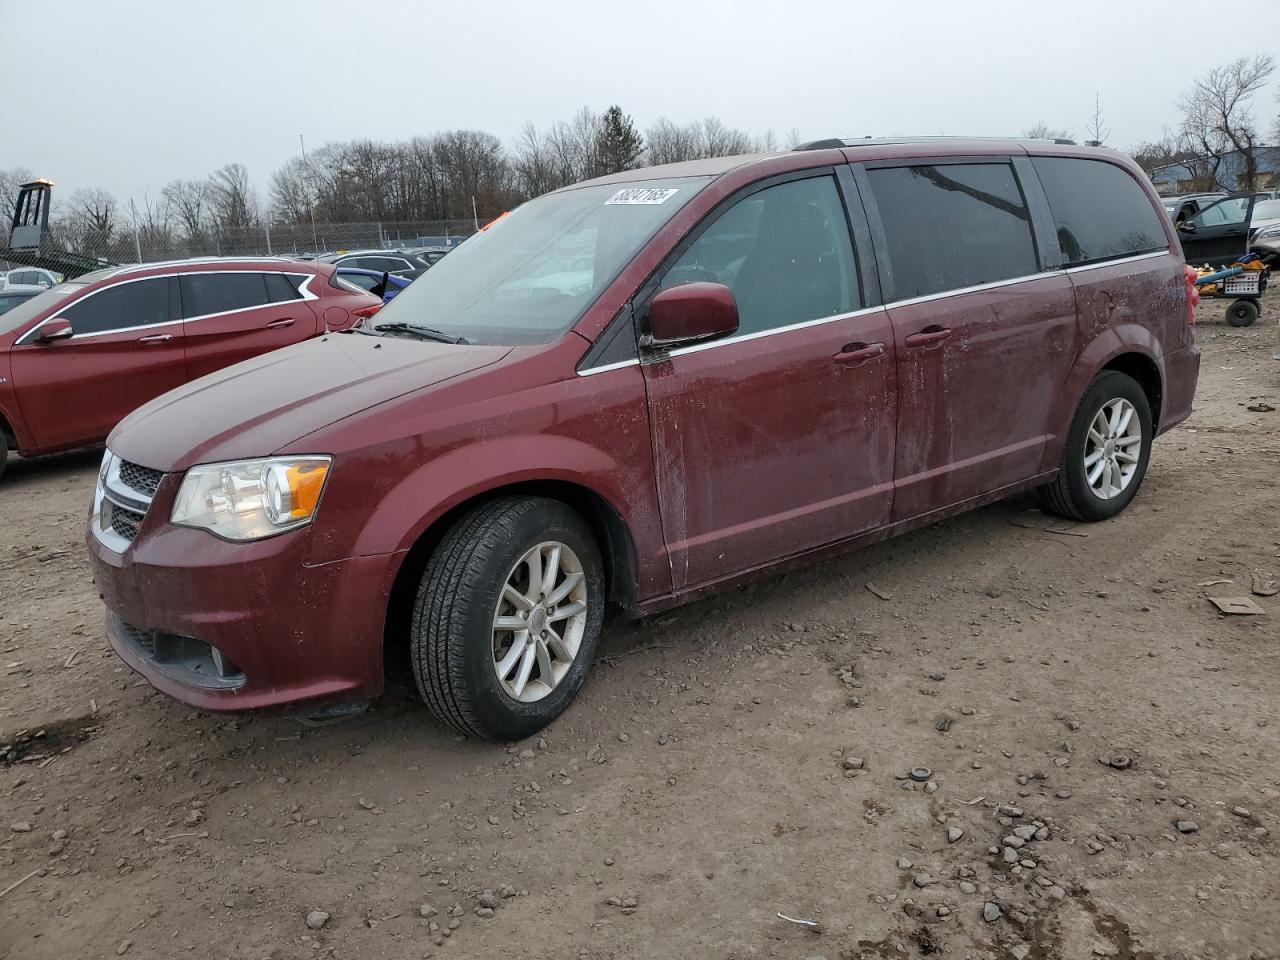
(244, 626)
(1181, 372)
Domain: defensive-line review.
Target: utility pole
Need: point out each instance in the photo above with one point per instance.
(311, 206)
(137, 246)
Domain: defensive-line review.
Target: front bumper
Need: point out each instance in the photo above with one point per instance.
(242, 626)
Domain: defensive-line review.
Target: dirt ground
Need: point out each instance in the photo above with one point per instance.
(697, 790)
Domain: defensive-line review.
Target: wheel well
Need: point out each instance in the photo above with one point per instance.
(1144, 370)
(9, 435)
(614, 539)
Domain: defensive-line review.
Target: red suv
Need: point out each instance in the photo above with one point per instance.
(769, 357)
(77, 358)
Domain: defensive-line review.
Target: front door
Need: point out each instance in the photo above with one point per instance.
(233, 315)
(1218, 234)
(778, 438)
(127, 349)
(983, 338)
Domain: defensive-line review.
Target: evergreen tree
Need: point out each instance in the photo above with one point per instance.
(618, 144)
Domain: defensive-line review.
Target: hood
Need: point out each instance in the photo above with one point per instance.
(254, 408)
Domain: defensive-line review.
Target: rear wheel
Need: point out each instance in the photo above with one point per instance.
(1107, 450)
(508, 616)
(1242, 313)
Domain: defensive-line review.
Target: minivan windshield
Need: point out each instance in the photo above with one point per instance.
(532, 273)
(23, 312)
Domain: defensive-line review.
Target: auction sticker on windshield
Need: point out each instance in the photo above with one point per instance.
(643, 195)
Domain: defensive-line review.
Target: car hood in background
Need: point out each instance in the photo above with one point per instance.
(254, 408)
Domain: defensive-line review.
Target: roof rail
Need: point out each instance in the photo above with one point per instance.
(837, 142)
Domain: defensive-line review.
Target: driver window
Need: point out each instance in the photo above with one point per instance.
(129, 304)
(784, 252)
(1226, 212)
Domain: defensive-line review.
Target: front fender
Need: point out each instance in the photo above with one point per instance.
(1110, 343)
(437, 486)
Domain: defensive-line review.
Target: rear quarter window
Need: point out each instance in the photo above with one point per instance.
(1099, 211)
(953, 225)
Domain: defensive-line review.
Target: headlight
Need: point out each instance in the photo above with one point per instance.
(251, 499)
(107, 457)
(1268, 232)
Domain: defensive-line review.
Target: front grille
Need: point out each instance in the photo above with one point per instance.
(124, 522)
(143, 479)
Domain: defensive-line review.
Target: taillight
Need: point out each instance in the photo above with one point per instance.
(364, 313)
(1193, 294)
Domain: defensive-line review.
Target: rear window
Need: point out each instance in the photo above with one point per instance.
(953, 225)
(206, 293)
(1099, 211)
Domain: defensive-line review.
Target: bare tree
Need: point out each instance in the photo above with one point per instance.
(793, 138)
(1097, 131)
(1216, 114)
(1042, 131)
(292, 195)
(188, 204)
(91, 219)
(231, 197)
(671, 143)
(1169, 149)
(9, 182)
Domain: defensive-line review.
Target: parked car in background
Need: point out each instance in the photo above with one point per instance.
(30, 277)
(773, 357)
(384, 285)
(1264, 224)
(1219, 233)
(399, 262)
(78, 357)
(10, 297)
(432, 255)
(1188, 205)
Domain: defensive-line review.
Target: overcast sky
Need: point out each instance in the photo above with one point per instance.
(129, 95)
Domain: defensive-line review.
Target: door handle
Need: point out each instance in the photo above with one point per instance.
(853, 354)
(283, 322)
(156, 338)
(928, 337)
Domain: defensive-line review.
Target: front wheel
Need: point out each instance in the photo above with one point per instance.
(508, 616)
(1108, 447)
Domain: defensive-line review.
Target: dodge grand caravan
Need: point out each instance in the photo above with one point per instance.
(772, 357)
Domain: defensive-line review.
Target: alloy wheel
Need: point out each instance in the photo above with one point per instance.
(1112, 447)
(539, 621)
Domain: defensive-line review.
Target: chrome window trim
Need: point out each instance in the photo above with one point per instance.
(1149, 255)
(995, 284)
(760, 334)
(606, 368)
(304, 289)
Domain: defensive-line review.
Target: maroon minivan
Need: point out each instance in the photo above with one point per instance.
(633, 391)
(78, 357)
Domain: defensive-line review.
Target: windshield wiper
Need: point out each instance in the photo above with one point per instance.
(426, 333)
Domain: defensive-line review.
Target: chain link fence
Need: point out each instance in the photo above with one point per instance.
(150, 244)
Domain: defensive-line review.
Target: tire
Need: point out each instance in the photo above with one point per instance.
(456, 642)
(1242, 313)
(1071, 494)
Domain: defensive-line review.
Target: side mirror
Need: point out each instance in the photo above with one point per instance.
(690, 312)
(58, 328)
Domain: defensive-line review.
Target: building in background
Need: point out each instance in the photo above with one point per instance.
(1223, 171)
